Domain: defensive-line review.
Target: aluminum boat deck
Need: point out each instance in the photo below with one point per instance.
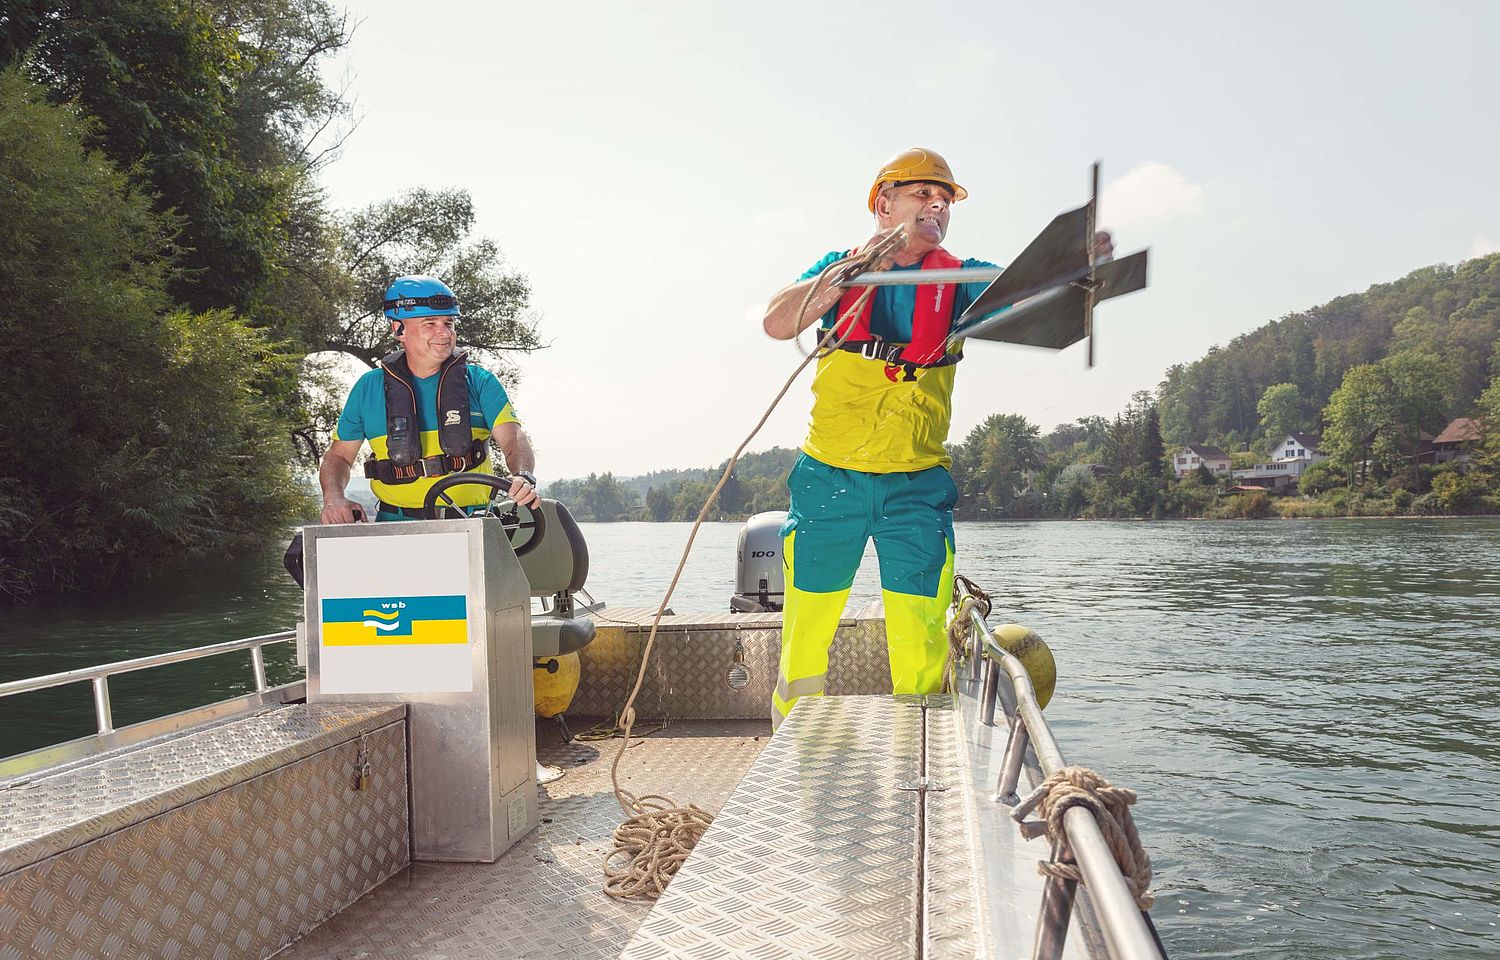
(544, 898)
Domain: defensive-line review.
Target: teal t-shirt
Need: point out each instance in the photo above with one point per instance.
(890, 316)
(363, 417)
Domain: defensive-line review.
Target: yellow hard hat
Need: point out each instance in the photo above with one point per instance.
(916, 164)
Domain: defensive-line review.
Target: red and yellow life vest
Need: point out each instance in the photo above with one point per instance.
(930, 323)
(885, 407)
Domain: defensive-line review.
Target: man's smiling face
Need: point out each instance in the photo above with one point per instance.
(922, 205)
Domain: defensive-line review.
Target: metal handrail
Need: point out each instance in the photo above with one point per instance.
(1126, 928)
(99, 676)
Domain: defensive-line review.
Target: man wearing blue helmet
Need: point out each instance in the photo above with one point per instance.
(426, 413)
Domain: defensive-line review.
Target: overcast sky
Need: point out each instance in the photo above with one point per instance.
(660, 170)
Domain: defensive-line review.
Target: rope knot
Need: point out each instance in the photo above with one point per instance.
(1081, 787)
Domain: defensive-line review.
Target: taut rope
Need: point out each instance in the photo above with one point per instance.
(658, 835)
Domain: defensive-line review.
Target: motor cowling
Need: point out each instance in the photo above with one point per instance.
(759, 584)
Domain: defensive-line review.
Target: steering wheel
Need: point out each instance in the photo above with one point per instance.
(513, 517)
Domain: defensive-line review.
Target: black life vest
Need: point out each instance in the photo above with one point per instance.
(403, 425)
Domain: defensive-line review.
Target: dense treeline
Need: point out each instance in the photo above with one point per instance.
(172, 278)
(1378, 375)
(1451, 314)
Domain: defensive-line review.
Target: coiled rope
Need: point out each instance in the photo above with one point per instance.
(658, 834)
(1081, 787)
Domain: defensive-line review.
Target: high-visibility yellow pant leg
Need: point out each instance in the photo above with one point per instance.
(913, 533)
(809, 621)
(916, 635)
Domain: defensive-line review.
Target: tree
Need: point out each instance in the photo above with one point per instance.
(659, 504)
(997, 456)
(1419, 391)
(601, 498)
(689, 501)
(1070, 491)
(171, 451)
(1486, 455)
(1354, 413)
(215, 106)
(427, 232)
(1280, 410)
(1321, 477)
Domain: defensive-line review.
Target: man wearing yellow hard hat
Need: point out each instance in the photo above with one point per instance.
(873, 464)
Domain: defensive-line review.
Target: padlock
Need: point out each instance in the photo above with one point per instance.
(362, 768)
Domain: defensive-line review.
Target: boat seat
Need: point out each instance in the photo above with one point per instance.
(557, 568)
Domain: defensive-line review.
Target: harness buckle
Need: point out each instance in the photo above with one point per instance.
(872, 349)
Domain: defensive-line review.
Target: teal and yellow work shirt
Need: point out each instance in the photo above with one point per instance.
(363, 418)
(861, 419)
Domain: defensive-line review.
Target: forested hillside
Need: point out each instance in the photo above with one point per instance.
(1450, 313)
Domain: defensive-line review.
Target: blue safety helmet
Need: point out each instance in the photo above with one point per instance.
(408, 298)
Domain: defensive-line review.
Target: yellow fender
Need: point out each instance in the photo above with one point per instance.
(1025, 645)
(554, 681)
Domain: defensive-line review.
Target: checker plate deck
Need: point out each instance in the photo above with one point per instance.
(544, 898)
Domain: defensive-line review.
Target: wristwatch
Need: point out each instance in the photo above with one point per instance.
(526, 475)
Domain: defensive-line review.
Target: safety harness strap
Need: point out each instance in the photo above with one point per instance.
(386, 471)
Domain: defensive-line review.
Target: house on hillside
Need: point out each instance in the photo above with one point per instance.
(1289, 459)
(1456, 441)
(1192, 456)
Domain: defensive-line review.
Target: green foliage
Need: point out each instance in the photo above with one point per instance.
(1291, 508)
(992, 464)
(1321, 477)
(1242, 506)
(599, 497)
(1190, 498)
(1455, 491)
(1381, 410)
(658, 505)
(1448, 312)
(1281, 411)
(208, 103)
(1070, 491)
(138, 435)
(427, 232)
(688, 502)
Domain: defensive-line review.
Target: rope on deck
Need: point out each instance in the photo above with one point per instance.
(1081, 787)
(658, 835)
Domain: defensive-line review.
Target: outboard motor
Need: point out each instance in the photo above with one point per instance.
(759, 586)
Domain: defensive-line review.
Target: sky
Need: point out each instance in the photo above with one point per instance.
(658, 171)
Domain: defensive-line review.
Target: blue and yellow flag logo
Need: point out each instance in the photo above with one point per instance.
(367, 621)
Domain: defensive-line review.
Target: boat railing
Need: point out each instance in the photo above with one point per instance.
(1126, 929)
(107, 737)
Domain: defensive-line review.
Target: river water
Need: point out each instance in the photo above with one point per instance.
(1308, 709)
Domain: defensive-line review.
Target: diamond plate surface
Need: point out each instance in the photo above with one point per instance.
(815, 855)
(950, 927)
(544, 899)
(53, 812)
(236, 873)
(693, 653)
